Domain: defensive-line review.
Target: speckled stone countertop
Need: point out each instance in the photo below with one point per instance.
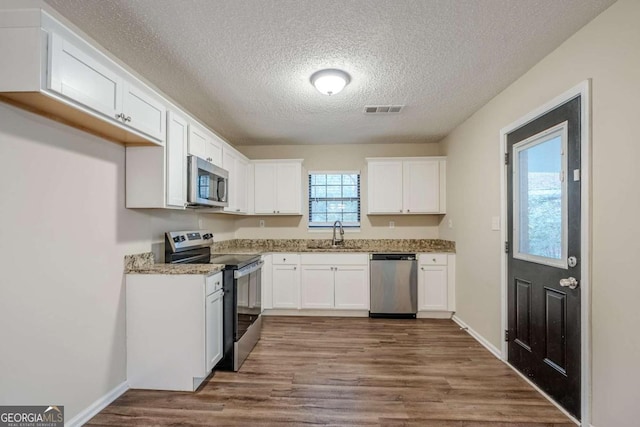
(260, 246)
(145, 264)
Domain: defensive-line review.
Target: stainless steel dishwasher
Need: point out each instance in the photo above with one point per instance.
(394, 285)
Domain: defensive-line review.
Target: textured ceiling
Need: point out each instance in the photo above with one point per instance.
(243, 66)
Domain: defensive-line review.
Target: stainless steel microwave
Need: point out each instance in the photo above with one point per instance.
(207, 184)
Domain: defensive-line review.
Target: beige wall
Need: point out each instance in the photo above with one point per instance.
(607, 51)
(339, 157)
(64, 231)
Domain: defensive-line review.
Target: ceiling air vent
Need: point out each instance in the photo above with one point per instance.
(380, 109)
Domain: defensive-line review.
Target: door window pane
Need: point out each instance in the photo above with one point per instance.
(540, 198)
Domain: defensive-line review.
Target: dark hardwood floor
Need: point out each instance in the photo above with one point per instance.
(351, 371)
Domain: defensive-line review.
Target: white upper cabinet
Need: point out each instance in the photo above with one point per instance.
(265, 188)
(176, 152)
(385, 187)
(278, 187)
(237, 166)
(84, 78)
(204, 144)
(421, 186)
(406, 185)
(143, 111)
(156, 177)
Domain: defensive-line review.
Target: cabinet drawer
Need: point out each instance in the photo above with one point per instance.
(213, 283)
(286, 259)
(334, 259)
(433, 259)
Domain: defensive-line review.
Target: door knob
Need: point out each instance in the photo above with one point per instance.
(571, 282)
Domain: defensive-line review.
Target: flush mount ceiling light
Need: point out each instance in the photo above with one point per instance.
(330, 81)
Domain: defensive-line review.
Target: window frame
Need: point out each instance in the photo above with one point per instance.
(358, 199)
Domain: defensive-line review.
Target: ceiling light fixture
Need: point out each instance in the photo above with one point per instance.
(330, 81)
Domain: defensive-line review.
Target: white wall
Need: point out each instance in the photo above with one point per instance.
(607, 51)
(64, 231)
(335, 158)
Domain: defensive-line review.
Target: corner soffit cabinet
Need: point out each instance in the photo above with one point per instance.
(49, 70)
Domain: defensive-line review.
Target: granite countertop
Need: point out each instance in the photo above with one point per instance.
(261, 246)
(145, 264)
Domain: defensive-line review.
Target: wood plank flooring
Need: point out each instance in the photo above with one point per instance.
(347, 372)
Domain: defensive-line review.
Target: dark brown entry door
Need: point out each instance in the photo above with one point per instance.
(544, 252)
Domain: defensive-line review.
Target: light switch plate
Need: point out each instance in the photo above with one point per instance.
(262, 223)
(495, 223)
(392, 224)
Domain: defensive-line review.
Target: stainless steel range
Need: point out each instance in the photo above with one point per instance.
(242, 306)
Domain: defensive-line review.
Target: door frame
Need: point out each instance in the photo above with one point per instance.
(583, 90)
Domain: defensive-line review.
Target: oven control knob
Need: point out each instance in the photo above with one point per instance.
(176, 239)
(207, 236)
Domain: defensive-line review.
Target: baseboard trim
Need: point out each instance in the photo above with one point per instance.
(434, 314)
(482, 340)
(97, 406)
(315, 313)
(497, 353)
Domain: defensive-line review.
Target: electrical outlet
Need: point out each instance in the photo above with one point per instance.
(392, 224)
(450, 223)
(262, 223)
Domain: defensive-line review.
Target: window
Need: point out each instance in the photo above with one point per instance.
(334, 196)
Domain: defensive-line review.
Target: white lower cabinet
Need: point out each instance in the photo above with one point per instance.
(334, 281)
(435, 282)
(285, 281)
(352, 287)
(317, 286)
(174, 330)
(213, 329)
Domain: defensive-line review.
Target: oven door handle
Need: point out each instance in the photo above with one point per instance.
(190, 259)
(245, 271)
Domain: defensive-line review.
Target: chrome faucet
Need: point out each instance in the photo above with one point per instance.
(335, 241)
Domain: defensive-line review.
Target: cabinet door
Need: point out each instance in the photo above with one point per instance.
(177, 137)
(385, 187)
(289, 188)
(242, 171)
(285, 286)
(432, 287)
(352, 287)
(198, 141)
(267, 280)
(213, 330)
(214, 149)
(143, 111)
(78, 75)
(316, 286)
(265, 188)
(421, 186)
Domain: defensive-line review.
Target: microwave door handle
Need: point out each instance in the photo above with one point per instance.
(222, 193)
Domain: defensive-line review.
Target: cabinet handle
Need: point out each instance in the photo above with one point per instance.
(434, 260)
(400, 210)
(408, 211)
(295, 268)
(120, 116)
(127, 119)
(274, 211)
(284, 260)
(237, 210)
(422, 268)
